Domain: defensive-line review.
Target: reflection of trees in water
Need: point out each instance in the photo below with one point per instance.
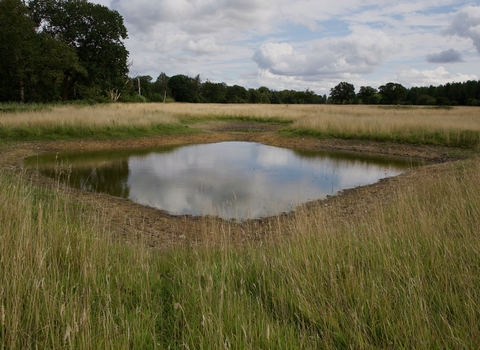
(108, 178)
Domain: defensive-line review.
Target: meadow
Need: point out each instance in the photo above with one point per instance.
(457, 127)
(405, 274)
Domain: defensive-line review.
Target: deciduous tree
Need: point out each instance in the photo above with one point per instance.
(366, 94)
(343, 92)
(31, 64)
(392, 93)
(95, 32)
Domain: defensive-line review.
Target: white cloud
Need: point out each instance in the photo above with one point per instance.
(203, 46)
(199, 16)
(357, 53)
(297, 44)
(413, 77)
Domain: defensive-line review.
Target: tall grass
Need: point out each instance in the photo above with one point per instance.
(60, 284)
(456, 127)
(405, 275)
(98, 121)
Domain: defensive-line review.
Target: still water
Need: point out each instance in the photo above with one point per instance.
(233, 180)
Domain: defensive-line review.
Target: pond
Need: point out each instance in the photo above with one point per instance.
(232, 180)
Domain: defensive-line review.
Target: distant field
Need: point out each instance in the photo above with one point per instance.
(458, 127)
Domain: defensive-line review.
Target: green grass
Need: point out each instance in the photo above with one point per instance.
(242, 119)
(71, 132)
(405, 275)
(464, 138)
(23, 107)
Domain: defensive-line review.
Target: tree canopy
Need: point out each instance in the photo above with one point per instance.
(392, 93)
(343, 92)
(52, 49)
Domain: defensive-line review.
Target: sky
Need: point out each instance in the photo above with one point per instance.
(304, 44)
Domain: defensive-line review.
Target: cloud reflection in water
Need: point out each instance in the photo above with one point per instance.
(230, 179)
(242, 179)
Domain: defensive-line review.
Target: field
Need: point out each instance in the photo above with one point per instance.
(392, 265)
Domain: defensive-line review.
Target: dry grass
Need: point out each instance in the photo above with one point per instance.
(90, 116)
(458, 126)
(320, 117)
(369, 119)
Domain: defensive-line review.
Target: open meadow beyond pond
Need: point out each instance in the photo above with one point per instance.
(395, 264)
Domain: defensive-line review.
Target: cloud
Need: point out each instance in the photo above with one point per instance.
(299, 44)
(440, 76)
(200, 16)
(357, 53)
(447, 56)
(203, 46)
(466, 24)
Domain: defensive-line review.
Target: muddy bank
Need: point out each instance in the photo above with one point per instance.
(131, 222)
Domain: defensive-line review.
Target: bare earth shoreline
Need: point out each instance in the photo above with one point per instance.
(131, 222)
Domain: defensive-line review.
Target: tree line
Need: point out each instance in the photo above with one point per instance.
(59, 50)
(182, 88)
(451, 94)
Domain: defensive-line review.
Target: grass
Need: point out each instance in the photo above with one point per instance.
(382, 281)
(403, 275)
(452, 127)
(113, 121)
(21, 107)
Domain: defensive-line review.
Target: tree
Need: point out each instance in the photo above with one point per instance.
(17, 41)
(213, 92)
(31, 63)
(53, 59)
(161, 86)
(144, 84)
(392, 93)
(184, 88)
(95, 32)
(236, 94)
(343, 92)
(366, 94)
(426, 100)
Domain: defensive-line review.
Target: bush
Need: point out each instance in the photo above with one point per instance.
(426, 100)
(473, 102)
(132, 99)
(443, 101)
(22, 107)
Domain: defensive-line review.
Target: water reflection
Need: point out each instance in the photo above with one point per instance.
(230, 179)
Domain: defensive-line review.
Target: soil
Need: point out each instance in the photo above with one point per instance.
(133, 223)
